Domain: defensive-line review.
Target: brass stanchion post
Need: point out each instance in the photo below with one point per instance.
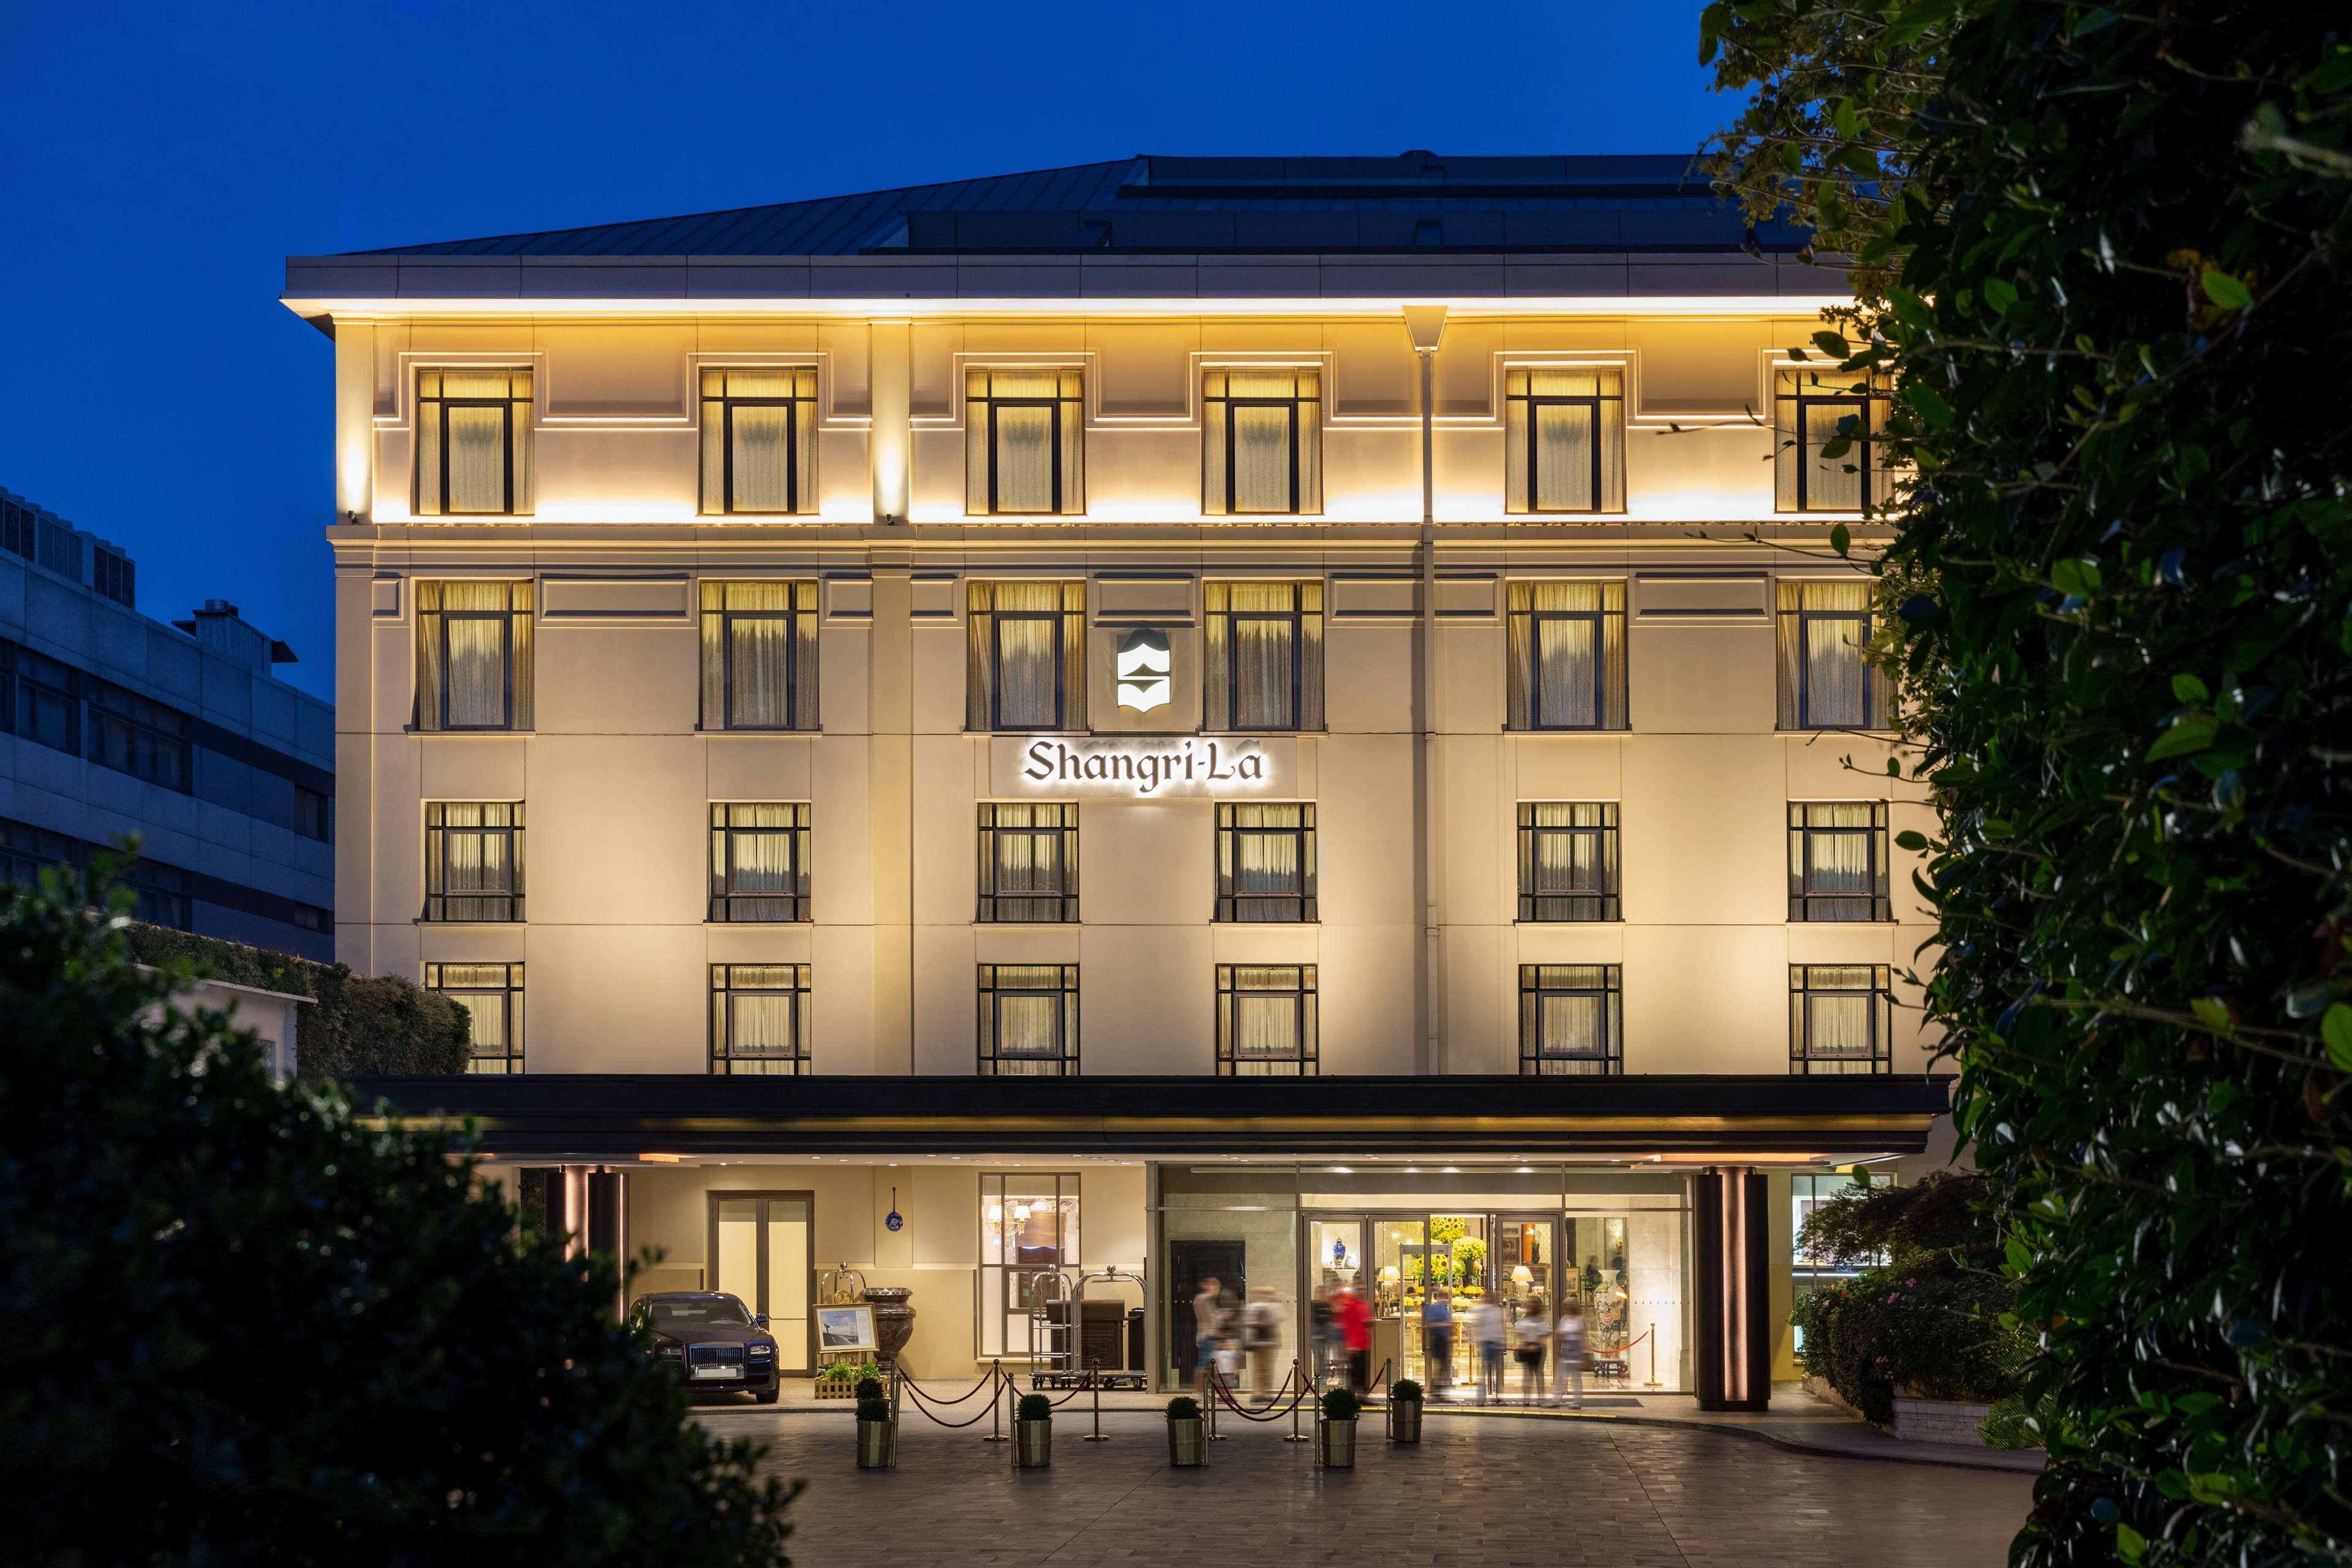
(1216, 1385)
(995, 1404)
(1094, 1377)
(1297, 1436)
(1653, 1357)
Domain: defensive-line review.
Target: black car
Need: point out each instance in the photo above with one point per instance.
(714, 1341)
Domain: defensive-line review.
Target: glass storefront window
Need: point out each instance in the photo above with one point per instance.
(1807, 1272)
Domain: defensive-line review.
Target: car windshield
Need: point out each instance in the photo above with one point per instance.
(701, 1312)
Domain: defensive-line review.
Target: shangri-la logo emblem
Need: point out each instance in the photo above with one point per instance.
(1143, 670)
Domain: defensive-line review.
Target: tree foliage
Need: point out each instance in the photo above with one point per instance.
(237, 1326)
(2108, 281)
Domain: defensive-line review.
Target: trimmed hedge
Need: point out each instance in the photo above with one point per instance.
(351, 1024)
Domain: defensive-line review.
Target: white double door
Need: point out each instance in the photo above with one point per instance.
(760, 1251)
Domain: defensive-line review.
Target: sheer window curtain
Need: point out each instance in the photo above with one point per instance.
(1266, 862)
(1569, 1021)
(1263, 665)
(472, 656)
(1265, 1021)
(473, 434)
(759, 655)
(1027, 665)
(1842, 1017)
(1564, 432)
(1567, 654)
(1262, 442)
(1827, 681)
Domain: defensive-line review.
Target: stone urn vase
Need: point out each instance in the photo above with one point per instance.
(894, 1321)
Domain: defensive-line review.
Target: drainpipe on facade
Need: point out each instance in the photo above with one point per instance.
(1426, 324)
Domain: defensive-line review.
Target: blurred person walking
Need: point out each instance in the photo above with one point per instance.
(1437, 1338)
(1568, 1352)
(1355, 1323)
(1487, 1332)
(1531, 1335)
(1261, 1338)
(1208, 1324)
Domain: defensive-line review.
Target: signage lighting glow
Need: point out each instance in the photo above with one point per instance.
(1143, 767)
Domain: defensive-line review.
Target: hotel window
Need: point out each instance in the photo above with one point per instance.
(1264, 664)
(1564, 440)
(1265, 1020)
(472, 656)
(491, 995)
(473, 860)
(759, 655)
(760, 862)
(1572, 1020)
(1841, 1018)
(1028, 1020)
(1028, 1227)
(1568, 861)
(42, 698)
(1266, 862)
(1837, 860)
(759, 441)
(136, 736)
(760, 1018)
(1567, 656)
(1028, 861)
(1026, 666)
(314, 813)
(473, 442)
(1826, 456)
(159, 894)
(1827, 681)
(27, 851)
(1262, 442)
(1024, 442)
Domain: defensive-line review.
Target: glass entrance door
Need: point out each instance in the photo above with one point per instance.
(1337, 1250)
(760, 1251)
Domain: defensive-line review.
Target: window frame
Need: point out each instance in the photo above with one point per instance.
(1229, 834)
(114, 709)
(1801, 836)
(988, 911)
(515, 452)
(1220, 701)
(437, 831)
(991, 993)
(1068, 1201)
(1066, 428)
(1792, 623)
(515, 631)
(1069, 673)
(24, 670)
(1307, 1037)
(1611, 697)
(1306, 413)
(724, 831)
(1614, 430)
(1609, 846)
(717, 627)
(1790, 403)
(1533, 990)
(724, 1059)
(1880, 991)
(511, 1007)
(800, 466)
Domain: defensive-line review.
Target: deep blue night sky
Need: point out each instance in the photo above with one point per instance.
(158, 163)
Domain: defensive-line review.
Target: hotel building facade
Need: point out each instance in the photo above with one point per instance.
(1290, 719)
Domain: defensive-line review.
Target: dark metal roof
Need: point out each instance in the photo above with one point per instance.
(1415, 202)
(616, 1116)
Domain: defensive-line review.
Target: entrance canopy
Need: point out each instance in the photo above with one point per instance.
(1742, 1119)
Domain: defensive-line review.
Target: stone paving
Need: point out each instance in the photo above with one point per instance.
(1472, 1492)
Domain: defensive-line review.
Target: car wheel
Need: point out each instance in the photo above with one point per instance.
(769, 1396)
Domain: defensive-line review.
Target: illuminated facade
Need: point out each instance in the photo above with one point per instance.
(1279, 718)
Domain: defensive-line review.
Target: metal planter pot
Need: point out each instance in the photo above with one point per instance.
(1188, 1444)
(1033, 1444)
(1404, 1420)
(1335, 1445)
(877, 1445)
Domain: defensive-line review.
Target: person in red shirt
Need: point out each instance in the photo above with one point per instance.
(1355, 1321)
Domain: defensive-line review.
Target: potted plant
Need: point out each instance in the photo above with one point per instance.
(1404, 1412)
(1188, 1446)
(1033, 1432)
(1335, 1433)
(877, 1434)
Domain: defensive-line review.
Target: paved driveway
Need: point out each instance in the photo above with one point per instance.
(1473, 1491)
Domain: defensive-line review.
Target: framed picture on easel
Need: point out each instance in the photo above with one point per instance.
(845, 1331)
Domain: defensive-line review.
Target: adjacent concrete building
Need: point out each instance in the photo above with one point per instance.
(1284, 719)
(113, 724)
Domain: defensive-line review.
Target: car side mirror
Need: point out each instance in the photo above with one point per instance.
(761, 1319)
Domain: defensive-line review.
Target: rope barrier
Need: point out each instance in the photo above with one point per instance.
(921, 1404)
(985, 1379)
(1274, 1412)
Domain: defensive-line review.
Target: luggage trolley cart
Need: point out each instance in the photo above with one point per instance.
(1074, 1334)
(1053, 1337)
